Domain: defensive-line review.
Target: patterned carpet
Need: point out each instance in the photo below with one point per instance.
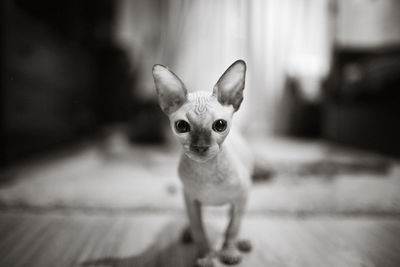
(294, 176)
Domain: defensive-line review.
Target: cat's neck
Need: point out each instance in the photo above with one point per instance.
(222, 164)
(222, 167)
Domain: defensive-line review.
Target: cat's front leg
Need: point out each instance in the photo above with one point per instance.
(193, 208)
(229, 253)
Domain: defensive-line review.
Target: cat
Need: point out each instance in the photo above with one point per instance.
(216, 164)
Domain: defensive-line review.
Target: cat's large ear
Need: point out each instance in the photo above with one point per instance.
(171, 91)
(229, 88)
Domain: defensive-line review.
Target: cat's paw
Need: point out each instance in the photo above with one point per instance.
(230, 256)
(244, 245)
(186, 237)
(204, 262)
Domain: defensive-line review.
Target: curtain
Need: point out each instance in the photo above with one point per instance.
(199, 39)
(285, 38)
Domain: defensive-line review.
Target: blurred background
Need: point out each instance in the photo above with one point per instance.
(81, 129)
(316, 68)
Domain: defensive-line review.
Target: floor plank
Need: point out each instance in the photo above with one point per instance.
(154, 240)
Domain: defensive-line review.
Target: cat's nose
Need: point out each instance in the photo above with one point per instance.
(199, 149)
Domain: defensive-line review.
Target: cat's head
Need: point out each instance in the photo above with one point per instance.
(200, 120)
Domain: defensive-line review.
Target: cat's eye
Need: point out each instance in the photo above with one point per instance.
(219, 125)
(182, 126)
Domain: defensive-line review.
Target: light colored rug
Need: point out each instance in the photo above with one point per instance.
(112, 175)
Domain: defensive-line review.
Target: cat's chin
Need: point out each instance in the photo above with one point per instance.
(200, 158)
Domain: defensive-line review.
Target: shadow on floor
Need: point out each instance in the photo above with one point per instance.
(167, 250)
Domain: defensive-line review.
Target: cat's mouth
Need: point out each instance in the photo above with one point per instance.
(201, 153)
(199, 149)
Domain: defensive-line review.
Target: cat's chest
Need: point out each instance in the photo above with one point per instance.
(216, 182)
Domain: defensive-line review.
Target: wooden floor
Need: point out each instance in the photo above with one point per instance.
(111, 204)
(106, 239)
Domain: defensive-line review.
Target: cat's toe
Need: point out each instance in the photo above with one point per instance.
(186, 237)
(204, 262)
(244, 245)
(230, 256)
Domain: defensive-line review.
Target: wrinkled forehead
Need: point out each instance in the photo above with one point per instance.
(205, 106)
(202, 107)
(200, 102)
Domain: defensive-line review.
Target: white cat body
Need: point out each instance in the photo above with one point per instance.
(216, 164)
(223, 179)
